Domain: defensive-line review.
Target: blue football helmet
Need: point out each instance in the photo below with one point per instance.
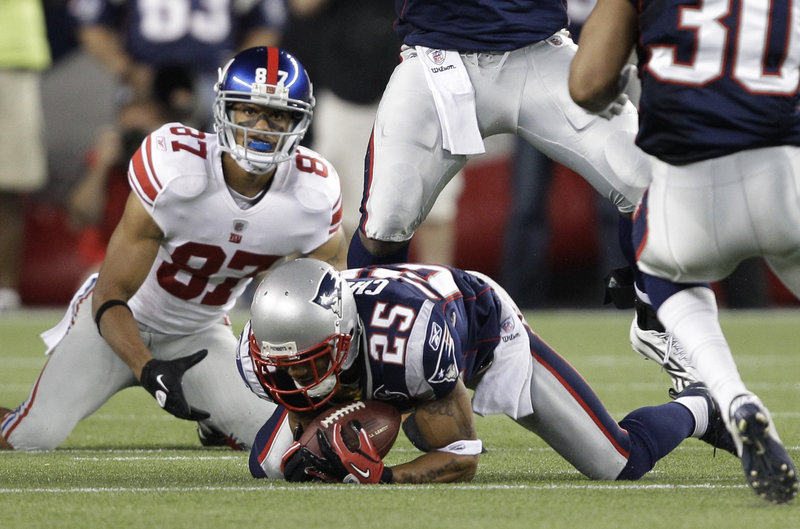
(270, 77)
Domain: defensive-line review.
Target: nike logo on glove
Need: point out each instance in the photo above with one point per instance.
(363, 473)
(160, 383)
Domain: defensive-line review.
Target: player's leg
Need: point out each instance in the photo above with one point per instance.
(711, 245)
(80, 375)
(604, 153)
(626, 288)
(4, 445)
(215, 385)
(405, 168)
(535, 386)
(569, 416)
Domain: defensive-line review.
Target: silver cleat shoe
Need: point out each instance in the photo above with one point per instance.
(649, 339)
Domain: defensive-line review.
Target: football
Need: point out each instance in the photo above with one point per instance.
(380, 419)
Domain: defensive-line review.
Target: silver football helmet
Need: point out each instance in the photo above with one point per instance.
(304, 333)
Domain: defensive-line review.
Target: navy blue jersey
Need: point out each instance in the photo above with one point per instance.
(478, 25)
(712, 86)
(423, 327)
(194, 32)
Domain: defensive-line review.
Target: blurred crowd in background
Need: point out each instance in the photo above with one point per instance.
(101, 94)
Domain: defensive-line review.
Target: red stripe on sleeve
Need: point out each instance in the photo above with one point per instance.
(142, 173)
(336, 219)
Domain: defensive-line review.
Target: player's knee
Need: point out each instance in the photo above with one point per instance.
(43, 441)
(30, 436)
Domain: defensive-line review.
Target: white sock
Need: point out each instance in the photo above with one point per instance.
(691, 316)
(698, 407)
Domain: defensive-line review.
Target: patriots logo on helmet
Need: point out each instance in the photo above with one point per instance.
(329, 294)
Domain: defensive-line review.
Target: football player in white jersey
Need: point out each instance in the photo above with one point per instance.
(207, 213)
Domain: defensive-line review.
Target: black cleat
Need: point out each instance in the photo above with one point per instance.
(717, 435)
(767, 466)
(210, 437)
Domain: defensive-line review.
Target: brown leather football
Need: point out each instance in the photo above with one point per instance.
(380, 419)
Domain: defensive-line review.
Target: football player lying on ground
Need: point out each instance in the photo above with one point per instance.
(206, 214)
(418, 336)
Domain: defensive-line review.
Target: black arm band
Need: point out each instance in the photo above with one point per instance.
(104, 307)
(387, 475)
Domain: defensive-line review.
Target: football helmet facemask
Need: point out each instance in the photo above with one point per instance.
(304, 324)
(268, 77)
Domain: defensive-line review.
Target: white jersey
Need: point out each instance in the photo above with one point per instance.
(212, 248)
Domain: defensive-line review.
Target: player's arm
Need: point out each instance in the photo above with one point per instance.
(605, 46)
(334, 251)
(131, 252)
(445, 428)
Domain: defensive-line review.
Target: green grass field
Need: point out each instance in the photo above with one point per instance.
(132, 465)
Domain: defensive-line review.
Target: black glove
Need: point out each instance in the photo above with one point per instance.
(298, 460)
(298, 464)
(162, 378)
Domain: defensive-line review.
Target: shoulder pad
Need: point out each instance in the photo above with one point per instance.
(174, 156)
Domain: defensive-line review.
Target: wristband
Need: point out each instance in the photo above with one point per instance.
(104, 307)
(467, 447)
(387, 475)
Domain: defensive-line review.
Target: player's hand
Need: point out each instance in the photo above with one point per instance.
(296, 460)
(163, 379)
(626, 76)
(363, 465)
(300, 464)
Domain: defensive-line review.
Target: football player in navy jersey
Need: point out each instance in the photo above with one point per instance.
(418, 336)
(720, 121)
(474, 69)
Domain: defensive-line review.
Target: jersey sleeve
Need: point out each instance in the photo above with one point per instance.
(432, 370)
(319, 178)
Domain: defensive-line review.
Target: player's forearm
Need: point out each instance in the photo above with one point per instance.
(121, 332)
(436, 467)
(605, 46)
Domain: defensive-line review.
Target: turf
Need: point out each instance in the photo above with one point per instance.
(132, 465)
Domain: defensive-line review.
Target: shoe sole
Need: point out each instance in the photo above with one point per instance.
(767, 466)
